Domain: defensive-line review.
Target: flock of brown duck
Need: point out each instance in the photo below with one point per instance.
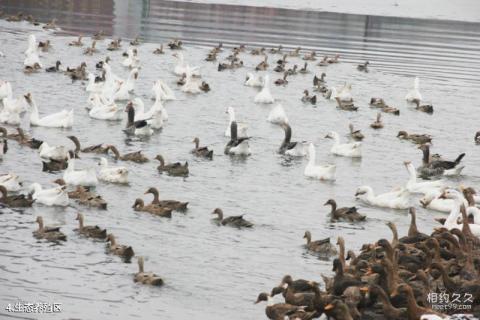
(387, 279)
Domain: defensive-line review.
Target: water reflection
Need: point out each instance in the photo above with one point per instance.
(429, 48)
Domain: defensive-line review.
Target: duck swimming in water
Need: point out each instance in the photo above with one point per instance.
(427, 108)
(237, 145)
(356, 135)
(347, 214)
(291, 148)
(377, 124)
(415, 138)
(148, 278)
(323, 247)
(232, 221)
(353, 150)
(202, 152)
(308, 98)
(363, 67)
(414, 94)
(48, 233)
(173, 169)
(312, 170)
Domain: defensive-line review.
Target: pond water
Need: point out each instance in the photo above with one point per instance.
(216, 272)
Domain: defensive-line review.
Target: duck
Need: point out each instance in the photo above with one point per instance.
(175, 44)
(356, 135)
(252, 80)
(431, 200)
(232, 221)
(277, 50)
(112, 174)
(135, 156)
(292, 71)
(363, 67)
(212, 56)
(279, 68)
(323, 62)
(377, 124)
(353, 150)
(48, 233)
(57, 196)
(107, 110)
(310, 56)
(264, 96)
(91, 50)
(156, 210)
(173, 169)
(159, 50)
(338, 310)
(148, 278)
(138, 128)
(295, 52)
(277, 115)
(377, 102)
(427, 108)
(90, 231)
(173, 204)
(289, 148)
(50, 25)
(55, 68)
(439, 167)
(325, 172)
(131, 61)
(3, 148)
(283, 81)
(44, 46)
(414, 94)
(348, 214)
(414, 311)
(11, 182)
(164, 91)
(415, 138)
(118, 249)
(389, 311)
(202, 152)
(154, 116)
(241, 127)
(183, 67)
(308, 98)
(205, 87)
(334, 59)
(420, 187)
(262, 66)
(16, 201)
(476, 139)
(397, 199)
(319, 81)
(12, 108)
(323, 247)
(62, 119)
(76, 43)
(115, 45)
(191, 85)
(277, 311)
(257, 51)
(237, 145)
(347, 106)
(32, 69)
(304, 69)
(86, 177)
(57, 153)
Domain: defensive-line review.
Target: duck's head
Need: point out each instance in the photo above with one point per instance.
(307, 235)
(217, 211)
(407, 163)
(129, 106)
(361, 191)
(262, 297)
(151, 190)
(305, 92)
(60, 182)
(402, 134)
(330, 202)
(331, 135)
(39, 219)
(28, 98)
(138, 203)
(79, 216)
(196, 140)
(450, 194)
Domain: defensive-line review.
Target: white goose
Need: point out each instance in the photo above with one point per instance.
(92, 86)
(253, 81)
(12, 107)
(58, 153)
(451, 221)
(62, 119)
(158, 106)
(264, 96)
(352, 150)
(31, 54)
(241, 127)
(432, 201)
(86, 177)
(57, 196)
(104, 111)
(192, 85)
(131, 80)
(327, 172)
(395, 199)
(154, 116)
(414, 94)
(163, 90)
(121, 93)
(345, 93)
(420, 187)
(183, 67)
(10, 181)
(5, 89)
(32, 45)
(112, 174)
(132, 61)
(277, 115)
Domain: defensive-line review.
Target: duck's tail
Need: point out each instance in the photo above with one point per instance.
(459, 158)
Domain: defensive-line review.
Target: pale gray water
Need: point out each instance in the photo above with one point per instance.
(212, 272)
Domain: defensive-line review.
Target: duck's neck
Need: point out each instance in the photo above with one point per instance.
(162, 161)
(288, 135)
(71, 165)
(34, 114)
(231, 113)
(395, 235)
(112, 240)
(80, 222)
(451, 220)
(40, 225)
(156, 198)
(412, 230)
(412, 307)
(426, 155)
(131, 117)
(341, 254)
(411, 172)
(140, 266)
(311, 157)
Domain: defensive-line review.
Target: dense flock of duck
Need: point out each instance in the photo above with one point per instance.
(387, 279)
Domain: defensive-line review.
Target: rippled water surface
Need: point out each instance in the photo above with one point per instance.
(216, 272)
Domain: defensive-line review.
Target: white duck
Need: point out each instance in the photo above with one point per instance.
(154, 116)
(253, 81)
(432, 201)
(10, 181)
(121, 94)
(12, 110)
(420, 187)
(414, 94)
(451, 221)
(132, 61)
(112, 174)
(277, 115)
(131, 80)
(104, 111)
(5, 89)
(86, 177)
(345, 93)
(183, 67)
(57, 196)
(353, 150)
(158, 106)
(92, 86)
(62, 119)
(241, 127)
(192, 85)
(264, 96)
(327, 172)
(31, 60)
(395, 199)
(163, 90)
(58, 153)
(32, 45)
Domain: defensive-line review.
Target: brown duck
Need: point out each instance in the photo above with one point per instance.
(118, 249)
(48, 233)
(136, 156)
(201, 152)
(232, 221)
(323, 247)
(173, 169)
(139, 205)
(344, 213)
(16, 201)
(148, 278)
(173, 204)
(90, 231)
